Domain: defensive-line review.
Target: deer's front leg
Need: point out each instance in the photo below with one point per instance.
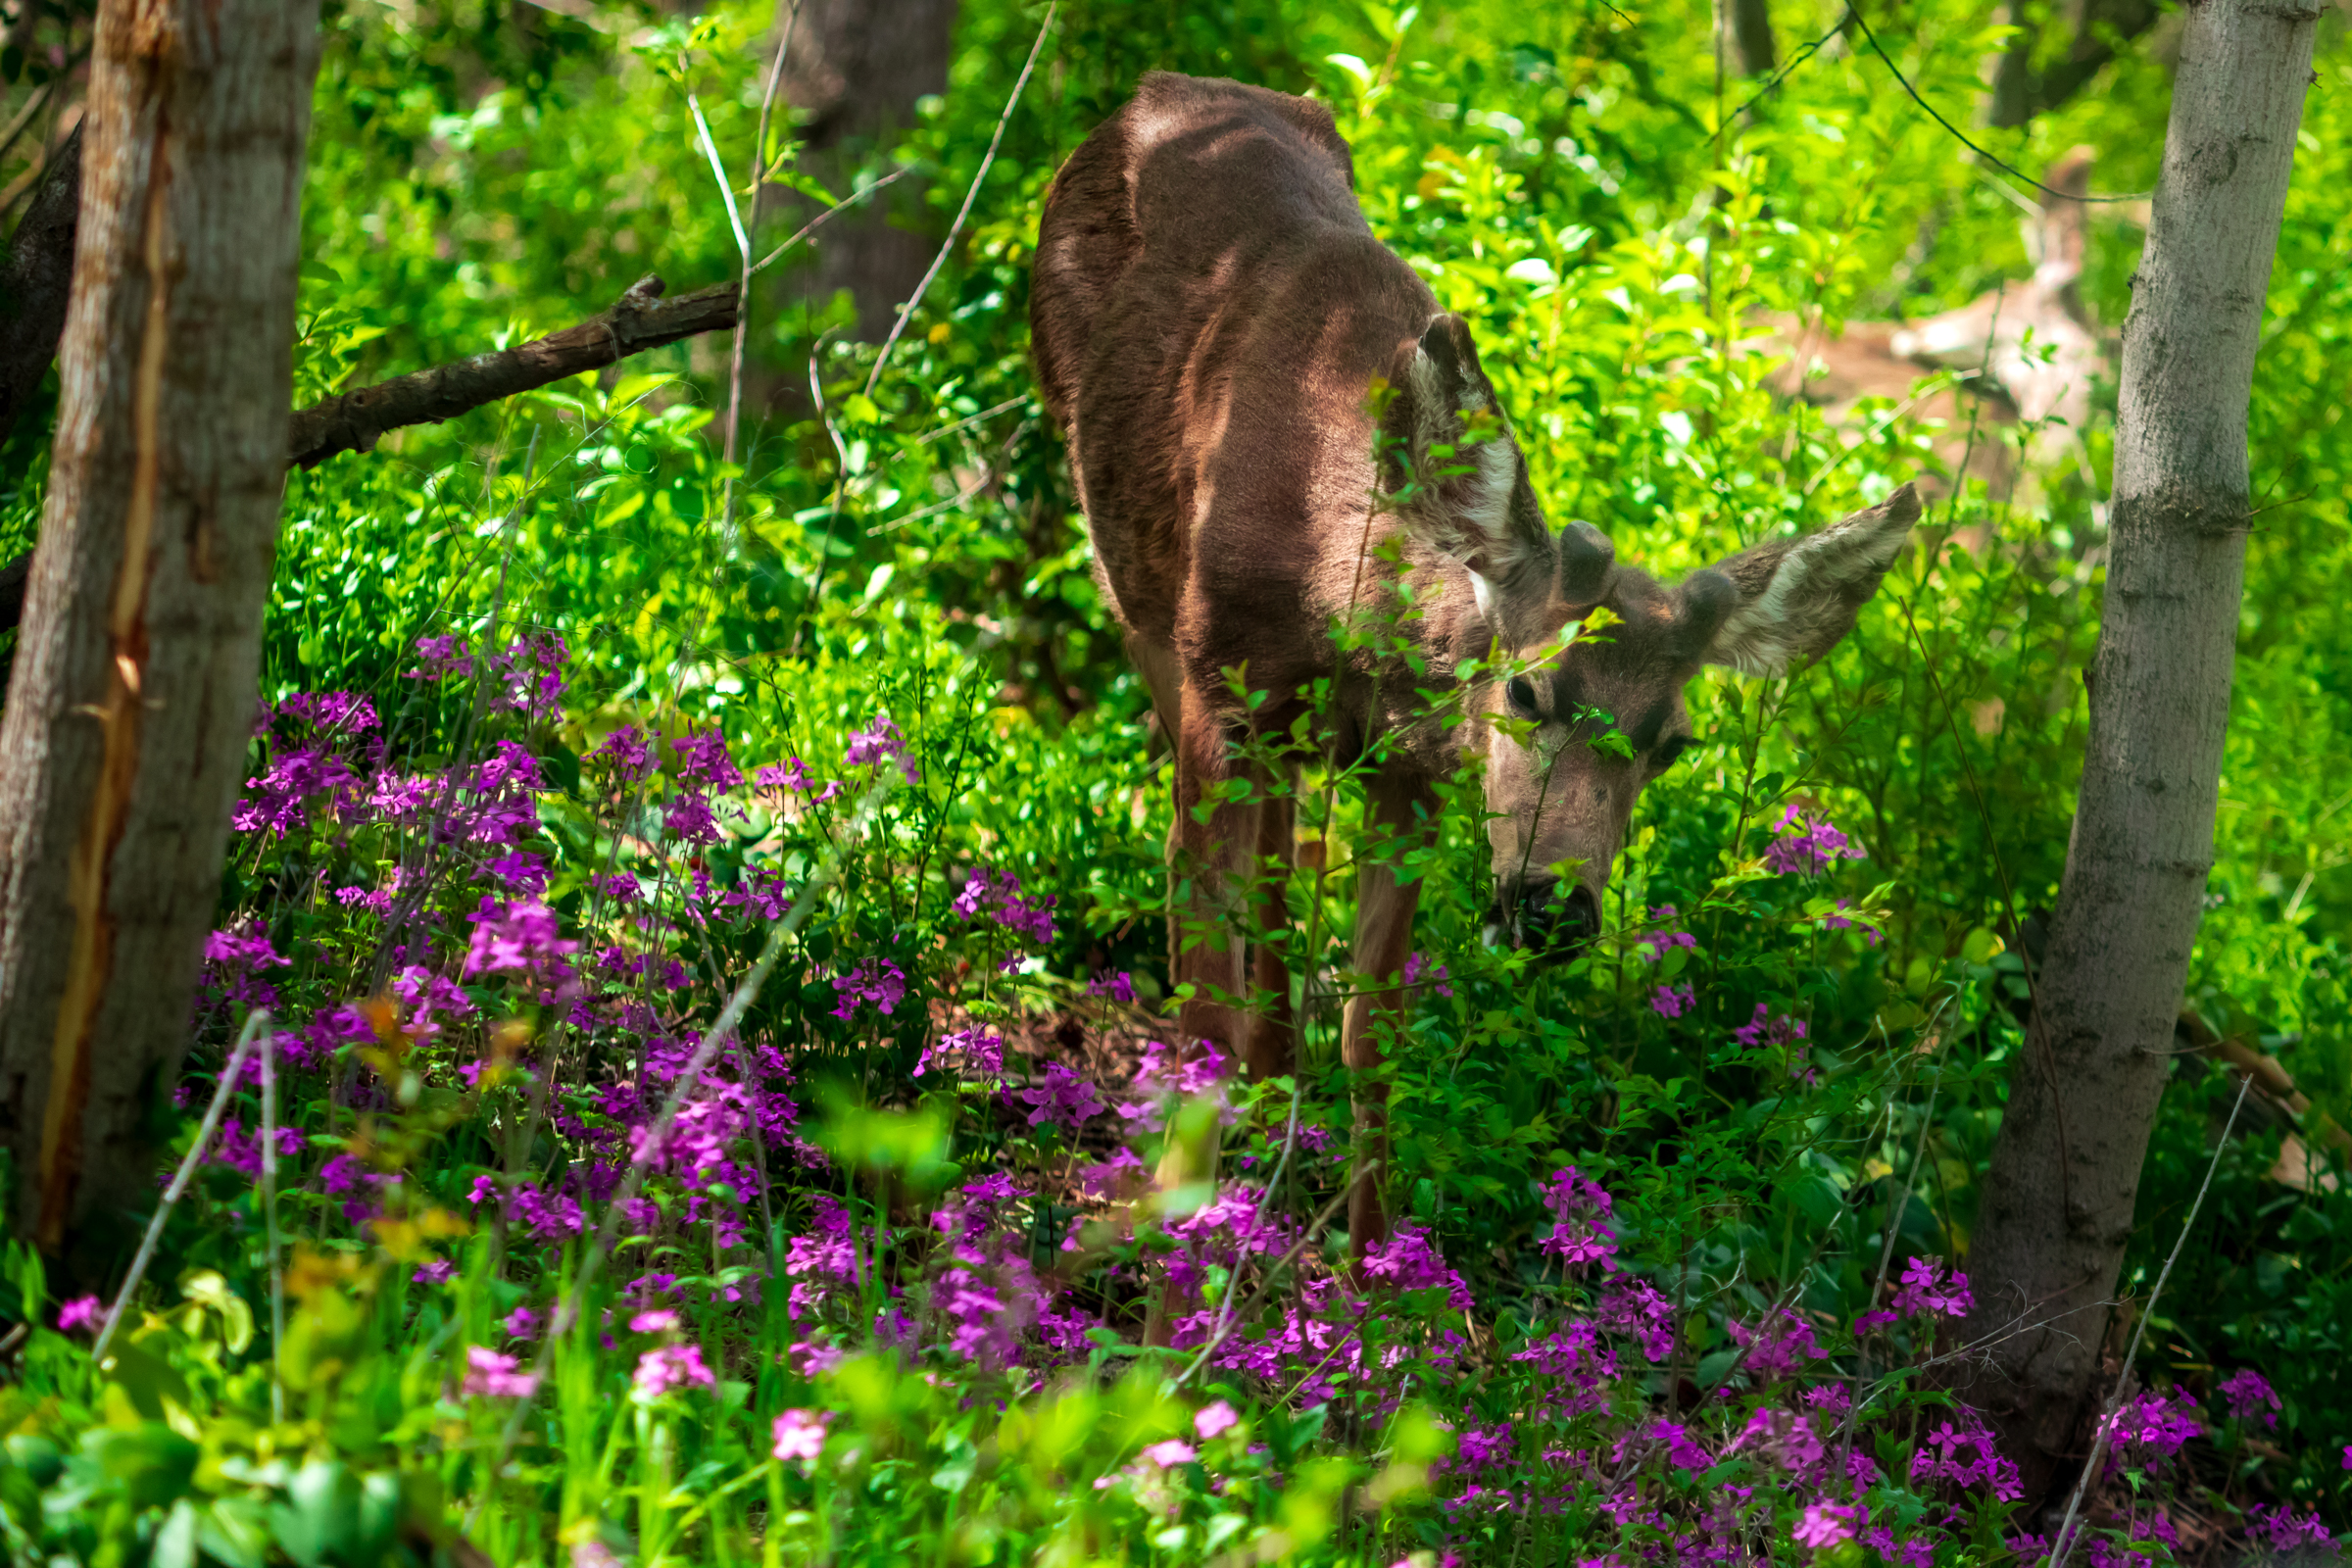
(1271, 1046)
(1384, 940)
(1209, 849)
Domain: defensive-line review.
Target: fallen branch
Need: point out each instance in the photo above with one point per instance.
(641, 319)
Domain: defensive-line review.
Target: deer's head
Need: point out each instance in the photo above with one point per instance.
(1594, 724)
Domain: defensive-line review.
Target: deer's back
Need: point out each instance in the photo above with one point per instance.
(1208, 311)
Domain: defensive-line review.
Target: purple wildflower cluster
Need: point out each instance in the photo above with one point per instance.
(1807, 848)
(996, 897)
(481, 920)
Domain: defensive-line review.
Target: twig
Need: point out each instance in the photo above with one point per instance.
(906, 311)
(841, 206)
(1795, 59)
(1962, 137)
(277, 1278)
(2060, 1545)
(254, 1021)
(32, 106)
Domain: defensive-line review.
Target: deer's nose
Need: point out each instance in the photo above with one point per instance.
(1557, 918)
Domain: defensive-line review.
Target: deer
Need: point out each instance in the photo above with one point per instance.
(1211, 316)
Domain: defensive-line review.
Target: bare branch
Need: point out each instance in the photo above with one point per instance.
(641, 319)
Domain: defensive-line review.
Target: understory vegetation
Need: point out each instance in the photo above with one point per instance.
(687, 1041)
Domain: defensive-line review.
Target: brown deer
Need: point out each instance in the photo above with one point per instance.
(1211, 312)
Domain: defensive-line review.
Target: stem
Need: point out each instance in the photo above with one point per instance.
(255, 1022)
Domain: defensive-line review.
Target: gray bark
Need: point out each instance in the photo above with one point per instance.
(2058, 1200)
(131, 703)
(854, 74)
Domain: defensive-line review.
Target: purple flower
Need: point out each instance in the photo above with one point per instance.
(1927, 1291)
(671, 1366)
(1119, 987)
(800, 1434)
(1672, 1001)
(489, 1373)
(1416, 967)
(660, 1320)
(688, 819)
(1825, 1525)
(440, 1271)
(704, 758)
(875, 980)
(1408, 1260)
(530, 674)
(1210, 1420)
(982, 1051)
(2285, 1531)
(1809, 850)
(523, 1323)
(1172, 1454)
(1580, 1212)
(1636, 1307)
(997, 894)
(879, 743)
(521, 936)
(441, 656)
(342, 1174)
(1763, 1029)
(1655, 944)
(1682, 1451)
(2250, 1395)
(793, 774)
(1781, 1344)
(2149, 1430)
(626, 755)
(82, 1312)
(1064, 1099)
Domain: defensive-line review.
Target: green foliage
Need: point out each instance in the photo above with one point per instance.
(1582, 184)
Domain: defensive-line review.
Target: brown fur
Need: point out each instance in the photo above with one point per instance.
(1211, 312)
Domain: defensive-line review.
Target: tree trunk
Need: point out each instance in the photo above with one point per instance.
(856, 71)
(1752, 36)
(131, 703)
(2095, 27)
(2058, 1201)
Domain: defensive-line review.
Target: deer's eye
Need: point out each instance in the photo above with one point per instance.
(1672, 751)
(1522, 693)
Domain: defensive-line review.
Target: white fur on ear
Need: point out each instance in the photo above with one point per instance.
(1815, 590)
(1485, 593)
(1476, 528)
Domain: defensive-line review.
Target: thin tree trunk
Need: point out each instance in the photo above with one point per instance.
(1752, 36)
(858, 70)
(2058, 1201)
(131, 703)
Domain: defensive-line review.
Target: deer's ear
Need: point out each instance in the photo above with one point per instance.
(1449, 449)
(1787, 600)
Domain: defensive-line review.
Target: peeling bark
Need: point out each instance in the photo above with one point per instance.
(2058, 1205)
(131, 701)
